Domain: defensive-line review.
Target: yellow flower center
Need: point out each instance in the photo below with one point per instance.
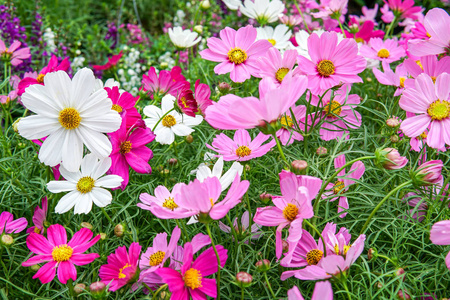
(37, 230)
(243, 151)
(272, 41)
(62, 253)
(85, 184)
(359, 40)
(338, 186)
(183, 101)
(121, 275)
(286, 121)
(423, 135)
(346, 248)
(157, 258)
(279, 75)
(419, 64)
(326, 68)
(237, 55)
(314, 256)
(383, 53)
(428, 35)
(40, 78)
(402, 82)
(169, 121)
(434, 79)
(333, 108)
(69, 118)
(117, 108)
(125, 147)
(193, 278)
(170, 203)
(290, 212)
(439, 110)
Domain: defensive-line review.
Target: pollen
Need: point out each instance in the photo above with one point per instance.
(69, 118)
(326, 68)
(314, 256)
(37, 230)
(62, 253)
(383, 53)
(40, 78)
(434, 79)
(237, 55)
(338, 186)
(439, 110)
(279, 75)
(402, 82)
(156, 258)
(290, 212)
(117, 108)
(334, 108)
(121, 275)
(184, 102)
(125, 147)
(359, 40)
(169, 121)
(193, 278)
(170, 204)
(272, 41)
(243, 151)
(286, 121)
(346, 248)
(424, 135)
(85, 184)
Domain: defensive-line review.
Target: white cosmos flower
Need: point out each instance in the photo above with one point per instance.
(263, 11)
(110, 83)
(86, 186)
(204, 171)
(173, 123)
(70, 115)
(183, 39)
(301, 37)
(232, 4)
(278, 37)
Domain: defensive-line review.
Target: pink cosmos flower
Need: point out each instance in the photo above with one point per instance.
(192, 281)
(287, 134)
(9, 225)
(367, 14)
(12, 54)
(61, 256)
(419, 207)
(202, 95)
(322, 291)
(335, 9)
(387, 50)
(124, 102)
(344, 180)
(241, 147)
(436, 22)
(364, 31)
(122, 267)
(5, 99)
(431, 103)
(237, 52)
(391, 159)
(274, 66)
(429, 173)
(39, 217)
(112, 62)
(331, 62)
(429, 65)
(403, 8)
(242, 231)
(294, 205)
(168, 82)
(439, 236)
(129, 150)
(186, 102)
(396, 79)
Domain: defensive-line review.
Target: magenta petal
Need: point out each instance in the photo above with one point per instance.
(83, 259)
(66, 271)
(39, 244)
(440, 233)
(172, 278)
(209, 287)
(46, 273)
(206, 262)
(57, 235)
(37, 259)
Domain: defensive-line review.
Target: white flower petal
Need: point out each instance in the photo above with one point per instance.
(190, 121)
(96, 142)
(167, 103)
(203, 172)
(218, 168)
(61, 186)
(164, 135)
(101, 168)
(153, 112)
(106, 122)
(38, 101)
(109, 181)
(70, 176)
(67, 202)
(97, 101)
(58, 86)
(50, 152)
(37, 126)
(84, 204)
(181, 130)
(101, 197)
(72, 151)
(82, 87)
(89, 164)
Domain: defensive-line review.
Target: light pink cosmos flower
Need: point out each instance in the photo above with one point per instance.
(437, 23)
(275, 66)
(439, 236)
(241, 147)
(344, 180)
(387, 50)
(9, 225)
(429, 173)
(168, 82)
(39, 217)
(331, 62)
(5, 99)
(237, 52)
(419, 141)
(12, 54)
(122, 267)
(288, 133)
(429, 65)
(242, 231)
(192, 281)
(367, 14)
(60, 255)
(431, 103)
(397, 79)
(322, 291)
(294, 205)
(391, 159)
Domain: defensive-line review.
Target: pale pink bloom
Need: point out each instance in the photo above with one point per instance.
(331, 8)
(429, 173)
(12, 54)
(439, 235)
(368, 14)
(39, 217)
(237, 52)
(429, 65)
(387, 15)
(387, 50)
(288, 133)
(391, 159)
(397, 79)
(241, 147)
(275, 66)
(418, 204)
(5, 99)
(9, 225)
(242, 230)
(291, 20)
(322, 291)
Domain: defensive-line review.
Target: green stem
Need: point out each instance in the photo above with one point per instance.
(346, 289)
(162, 117)
(234, 233)
(320, 235)
(391, 27)
(71, 291)
(106, 215)
(250, 214)
(158, 290)
(342, 28)
(387, 258)
(242, 293)
(269, 286)
(382, 202)
(301, 14)
(441, 192)
(208, 229)
(280, 149)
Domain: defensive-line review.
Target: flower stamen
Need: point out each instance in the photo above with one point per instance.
(85, 184)
(168, 121)
(237, 55)
(193, 278)
(383, 53)
(326, 68)
(314, 256)
(439, 110)
(156, 258)
(290, 212)
(243, 151)
(170, 204)
(69, 118)
(281, 73)
(62, 253)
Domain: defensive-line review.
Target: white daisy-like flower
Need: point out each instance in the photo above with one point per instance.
(110, 83)
(85, 186)
(70, 115)
(232, 4)
(301, 37)
(263, 11)
(168, 122)
(204, 171)
(278, 37)
(183, 39)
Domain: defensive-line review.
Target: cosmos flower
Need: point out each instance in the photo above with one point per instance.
(13, 54)
(288, 133)
(39, 217)
(322, 291)
(112, 62)
(429, 65)
(275, 66)
(388, 77)
(124, 102)
(203, 171)
(183, 39)
(387, 50)
(278, 36)
(167, 82)
(263, 11)
(439, 236)
(9, 225)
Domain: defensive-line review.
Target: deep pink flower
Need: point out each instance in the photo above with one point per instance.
(237, 52)
(322, 291)
(60, 255)
(168, 82)
(275, 66)
(403, 8)
(241, 147)
(387, 50)
(9, 225)
(122, 267)
(39, 217)
(192, 281)
(202, 95)
(429, 65)
(186, 102)
(439, 236)
(12, 54)
(124, 102)
(418, 204)
(364, 31)
(112, 62)
(288, 133)
(397, 79)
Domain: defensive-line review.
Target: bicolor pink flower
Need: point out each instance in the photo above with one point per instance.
(192, 281)
(202, 95)
(61, 256)
(294, 205)
(39, 217)
(439, 236)
(13, 54)
(344, 180)
(275, 66)
(331, 63)
(237, 52)
(322, 291)
(403, 8)
(397, 78)
(241, 147)
(429, 65)
(168, 82)
(122, 267)
(9, 225)
(242, 230)
(112, 62)
(391, 159)
(288, 133)
(431, 103)
(124, 102)
(186, 102)
(387, 50)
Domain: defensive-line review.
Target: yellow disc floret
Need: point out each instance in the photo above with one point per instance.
(333, 108)
(40, 78)
(313, 257)
(439, 110)
(125, 147)
(237, 55)
(326, 68)
(286, 121)
(193, 278)
(243, 151)
(338, 186)
(69, 118)
(85, 184)
(156, 258)
(383, 53)
(290, 212)
(117, 108)
(169, 121)
(272, 41)
(62, 253)
(170, 203)
(279, 75)
(121, 275)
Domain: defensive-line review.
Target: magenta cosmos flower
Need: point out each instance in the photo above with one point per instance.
(192, 281)
(241, 148)
(404, 8)
(237, 52)
(9, 225)
(112, 62)
(275, 66)
(364, 31)
(387, 50)
(344, 180)
(39, 217)
(13, 53)
(294, 205)
(121, 268)
(431, 104)
(439, 236)
(322, 291)
(331, 63)
(202, 95)
(124, 103)
(60, 255)
(168, 82)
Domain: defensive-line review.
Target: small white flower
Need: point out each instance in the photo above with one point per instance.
(278, 37)
(203, 172)
(183, 39)
(232, 4)
(173, 123)
(263, 11)
(85, 186)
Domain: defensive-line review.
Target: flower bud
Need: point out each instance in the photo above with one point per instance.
(103, 236)
(7, 240)
(285, 246)
(35, 267)
(379, 285)
(205, 4)
(321, 151)
(189, 139)
(399, 271)
(263, 265)
(119, 230)
(428, 173)
(390, 158)
(244, 279)
(269, 128)
(87, 225)
(198, 29)
(299, 167)
(394, 138)
(247, 168)
(372, 254)
(15, 124)
(403, 295)
(224, 87)
(393, 122)
(79, 288)
(265, 197)
(97, 289)
(173, 161)
(163, 65)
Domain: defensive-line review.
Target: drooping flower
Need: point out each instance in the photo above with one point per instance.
(61, 256)
(241, 147)
(276, 67)
(124, 102)
(322, 291)
(263, 11)
(428, 173)
(278, 37)
(203, 171)
(86, 186)
(71, 115)
(168, 82)
(186, 103)
(418, 204)
(237, 52)
(9, 225)
(13, 54)
(391, 159)
(243, 230)
(39, 217)
(112, 62)
(183, 39)
(122, 267)
(397, 78)
(387, 50)
(288, 133)
(439, 236)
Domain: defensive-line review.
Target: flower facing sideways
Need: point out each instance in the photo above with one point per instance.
(39, 217)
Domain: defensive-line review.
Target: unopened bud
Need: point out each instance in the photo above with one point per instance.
(163, 65)
(321, 151)
(265, 197)
(393, 122)
(224, 87)
(247, 168)
(97, 288)
(79, 288)
(15, 124)
(205, 4)
(173, 161)
(263, 265)
(198, 29)
(390, 158)
(285, 246)
(87, 225)
(7, 240)
(372, 254)
(394, 138)
(244, 279)
(35, 268)
(103, 236)
(299, 167)
(119, 230)
(379, 285)
(403, 295)
(399, 272)
(189, 139)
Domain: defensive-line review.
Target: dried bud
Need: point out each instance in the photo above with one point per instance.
(189, 139)
(263, 265)
(379, 285)
(79, 288)
(247, 168)
(265, 198)
(390, 158)
(244, 279)
(393, 122)
(224, 87)
(7, 240)
(372, 254)
(399, 272)
(14, 125)
(87, 225)
(299, 167)
(285, 246)
(321, 151)
(119, 230)
(173, 161)
(394, 138)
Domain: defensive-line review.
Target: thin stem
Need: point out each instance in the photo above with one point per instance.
(208, 229)
(106, 215)
(233, 232)
(342, 28)
(301, 15)
(162, 117)
(382, 202)
(320, 235)
(250, 214)
(280, 149)
(158, 290)
(346, 289)
(391, 27)
(242, 293)
(71, 291)
(441, 192)
(269, 286)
